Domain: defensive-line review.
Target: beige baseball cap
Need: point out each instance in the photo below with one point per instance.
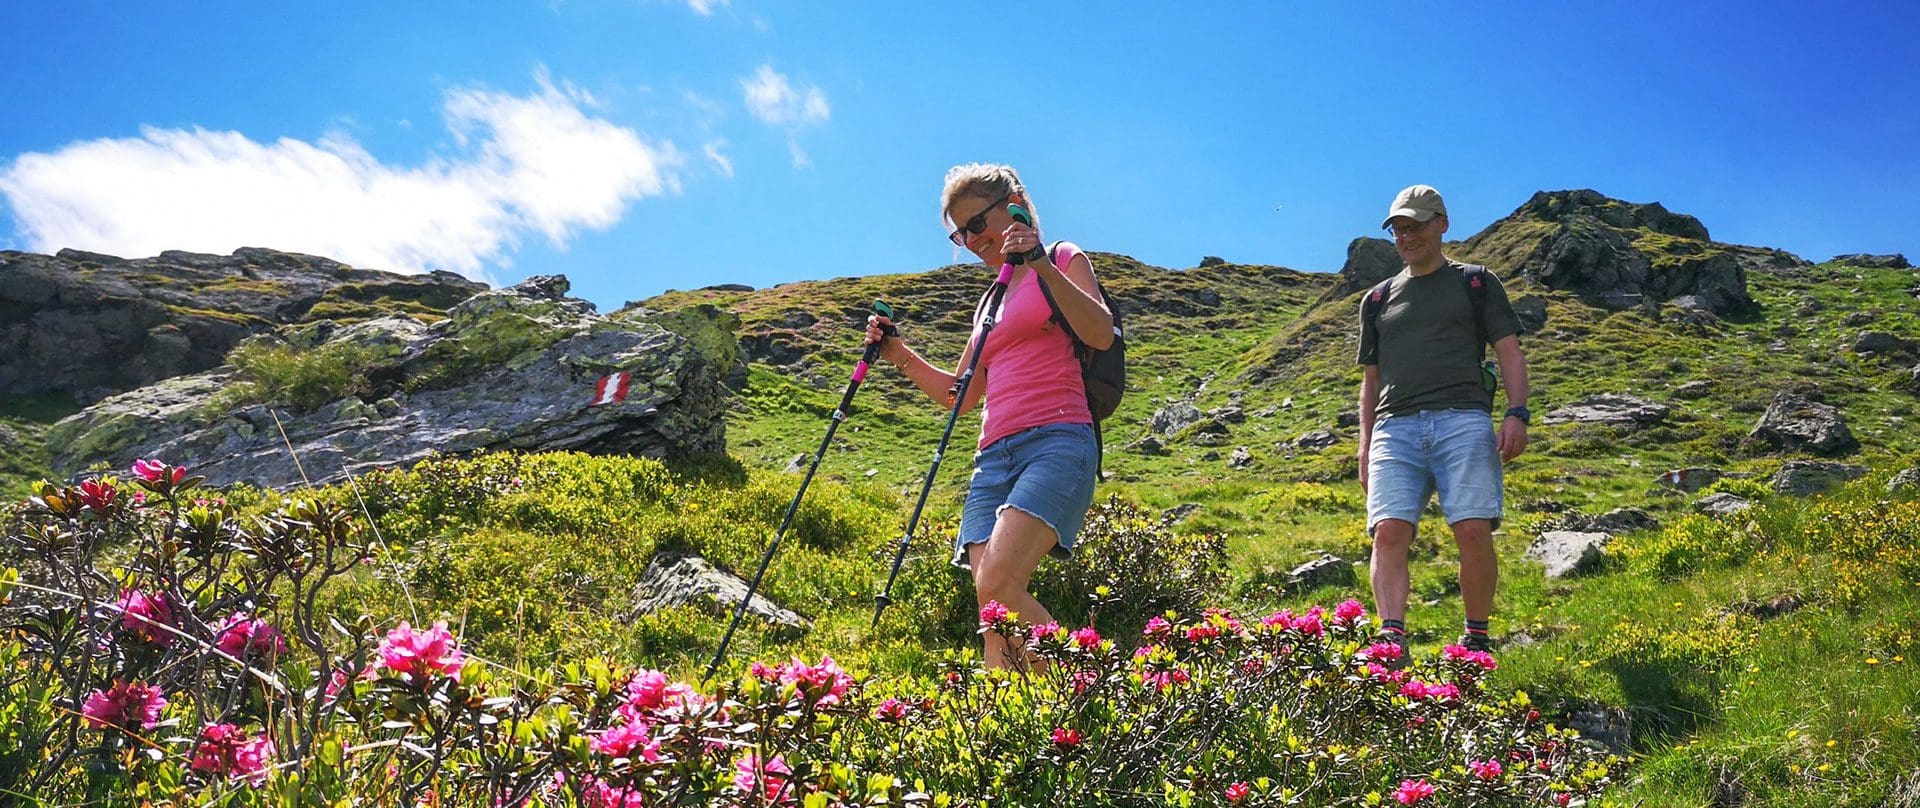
(1416, 202)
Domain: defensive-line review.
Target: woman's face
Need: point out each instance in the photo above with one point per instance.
(978, 224)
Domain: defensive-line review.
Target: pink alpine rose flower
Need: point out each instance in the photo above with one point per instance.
(1066, 738)
(1488, 769)
(419, 654)
(158, 472)
(239, 635)
(892, 711)
(1157, 628)
(1411, 792)
(825, 683)
(1238, 792)
(767, 780)
(1385, 652)
(224, 750)
(1309, 624)
(626, 740)
(992, 613)
(139, 612)
(1460, 654)
(1086, 638)
(598, 793)
(97, 494)
(123, 705)
(1349, 613)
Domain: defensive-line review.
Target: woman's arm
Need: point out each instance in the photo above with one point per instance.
(937, 384)
(1076, 292)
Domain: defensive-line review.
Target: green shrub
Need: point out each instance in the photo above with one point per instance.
(1693, 543)
(1144, 566)
(1745, 488)
(303, 378)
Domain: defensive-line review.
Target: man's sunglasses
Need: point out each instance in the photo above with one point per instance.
(976, 225)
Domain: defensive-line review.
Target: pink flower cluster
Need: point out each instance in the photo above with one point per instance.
(651, 693)
(1439, 694)
(1309, 624)
(1086, 638)
(239, 635)
(825, 684)
(224, 750)
(993, 613)
(1349, 613)
(765, 779)
(1411, 792)
(629, 740)
(97, 494)
(1485, 769)
(1384, 653)
(1238, 792)
(893, 711)
(140, 612)
(1460, 654)
(1067, 738)
(123, 705)
(598, 793)
(158, 472)
(416, 654)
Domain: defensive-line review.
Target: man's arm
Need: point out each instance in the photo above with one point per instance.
(1513, 374)
(1369, 399)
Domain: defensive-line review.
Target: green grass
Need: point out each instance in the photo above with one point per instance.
(26, 418)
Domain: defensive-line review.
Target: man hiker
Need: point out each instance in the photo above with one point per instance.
(1425, 400)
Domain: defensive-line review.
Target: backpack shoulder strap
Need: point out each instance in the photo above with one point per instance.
(1058, 316)
(1475, 277)
(1375, 300)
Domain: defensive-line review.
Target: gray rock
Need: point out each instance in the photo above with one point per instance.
(1894, 261)
(1149, 445)
(1693, 390)
(1609, 727)
(1913, 380)
(1905, 481)
(1881, 342)
(1567, 552)
(1618, 520)
(1227, 415)
(675, 579)
(1174, 417)
(1369, 261)
(1689, 479)
(1327, 570)
(1317, 439)
(1179, 513)
(799, 463)
(509, 369)
(88, 325)
(1611, 409)
(1807, 477)
(1795, 424)
(1860, 318)
(1350, 418)
(1722, 504)
(1212, 261)
(1241, 458)
(1531, 310)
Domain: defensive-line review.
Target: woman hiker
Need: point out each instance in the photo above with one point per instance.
(1034, 472)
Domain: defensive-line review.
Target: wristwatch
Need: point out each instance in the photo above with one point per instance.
(1522, 413)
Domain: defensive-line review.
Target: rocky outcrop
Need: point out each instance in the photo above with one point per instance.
(1613, 409)
(677, 579)
(1808, 477)
(1369, 261)
(1722, 504)
(1621, 254)
(90, 325)
(1794, 423)
(1894, 261)
(508, 369)
(1566, 552)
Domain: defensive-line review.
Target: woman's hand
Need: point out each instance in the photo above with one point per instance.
(1018, 239)
(890, 346)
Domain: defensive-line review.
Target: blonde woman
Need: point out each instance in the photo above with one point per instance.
(1037, 462)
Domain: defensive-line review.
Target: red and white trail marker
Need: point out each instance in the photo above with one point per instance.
(611, 388)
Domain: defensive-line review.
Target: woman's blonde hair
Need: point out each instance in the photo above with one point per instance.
(984, 180)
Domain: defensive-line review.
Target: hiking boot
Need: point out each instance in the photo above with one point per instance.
(1398, 639)
(1476, 642)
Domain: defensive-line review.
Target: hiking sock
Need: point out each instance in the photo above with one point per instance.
(1477, 628)
(1396, 626)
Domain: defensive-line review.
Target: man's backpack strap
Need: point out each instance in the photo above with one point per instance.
(1475, 277)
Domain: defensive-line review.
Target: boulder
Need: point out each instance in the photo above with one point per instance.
(1905, 482)
(1613, 409)
(677, 579)
(1568, 552)
(1317, 439)
(1693, 390)
(1174, 417)
(510, 369)
(1894, 261)
(1795, 424)
(1881, 342)
(1913, 380)
(1150, 445)
(1212, 261)
(1618, 520)
(1722, 504)
(1179, 513)
(1807, 477)
(1689, 479)
(1327, 570)
(1531, 310)
(1241, 458)
(1369, 261)
(88, 325)
(1608, 727)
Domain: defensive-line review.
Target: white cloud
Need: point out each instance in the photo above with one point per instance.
(799, 155)
(705, 8)
(524, 164)
(720, 161)
(774, 100)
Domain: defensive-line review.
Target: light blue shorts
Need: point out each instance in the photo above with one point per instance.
(1451, 451)
(1047, 471)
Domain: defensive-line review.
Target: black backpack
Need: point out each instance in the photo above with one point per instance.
(1475, 278)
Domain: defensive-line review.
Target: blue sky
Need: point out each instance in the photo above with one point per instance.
(640, 145)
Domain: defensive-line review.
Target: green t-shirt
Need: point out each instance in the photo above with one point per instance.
(1426, 348)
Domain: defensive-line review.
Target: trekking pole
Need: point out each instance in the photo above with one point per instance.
(839, 414)
(994, 294)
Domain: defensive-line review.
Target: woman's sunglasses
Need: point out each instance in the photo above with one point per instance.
(976, 225)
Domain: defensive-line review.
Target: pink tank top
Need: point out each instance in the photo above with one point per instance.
(1033, 378)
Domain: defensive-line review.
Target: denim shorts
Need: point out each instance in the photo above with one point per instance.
(1047, 471)
(1451, 451)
